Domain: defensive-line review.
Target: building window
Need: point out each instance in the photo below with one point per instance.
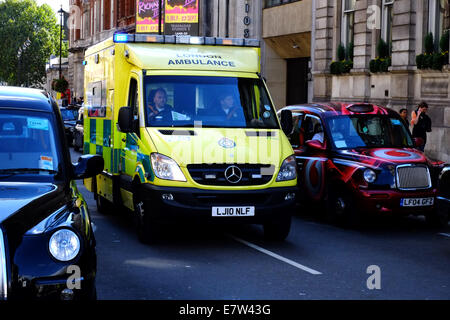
(388, 18)
(348, 22)
(274, 3)
(436, 19)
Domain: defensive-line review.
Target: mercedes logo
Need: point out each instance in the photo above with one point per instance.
(233, 174)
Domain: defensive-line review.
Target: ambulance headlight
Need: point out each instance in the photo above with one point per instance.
(166, 168)
(288, 170)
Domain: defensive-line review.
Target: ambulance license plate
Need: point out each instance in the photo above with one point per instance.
(233, 211)
(416, 202)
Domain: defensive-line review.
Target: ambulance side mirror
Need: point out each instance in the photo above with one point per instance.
(126, 119)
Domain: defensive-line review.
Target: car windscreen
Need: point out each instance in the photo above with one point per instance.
(68, 114)
(370, 131)
(29, 145)
(217, 102)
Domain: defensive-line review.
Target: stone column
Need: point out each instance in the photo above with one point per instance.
(362, 53)
(362, 39)
(403, 52)
(323, 51)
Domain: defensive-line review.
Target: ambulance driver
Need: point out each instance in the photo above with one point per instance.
(159, 112)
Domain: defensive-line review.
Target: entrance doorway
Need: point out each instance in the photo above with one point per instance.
(297, 81)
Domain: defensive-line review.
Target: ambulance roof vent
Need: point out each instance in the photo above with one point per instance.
(210, 41)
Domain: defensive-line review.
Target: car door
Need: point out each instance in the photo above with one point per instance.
(312, 158)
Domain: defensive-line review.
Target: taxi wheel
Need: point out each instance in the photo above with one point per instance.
(341, 210)
(438, 218)
(277, 229)
(146, 228)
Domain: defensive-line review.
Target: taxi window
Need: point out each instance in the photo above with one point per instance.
(29, 142)
(312, 128)
(296, 137)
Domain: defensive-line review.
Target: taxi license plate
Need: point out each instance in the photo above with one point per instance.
(233, 211)
(417, 202)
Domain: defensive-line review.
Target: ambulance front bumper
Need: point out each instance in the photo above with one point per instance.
(191, 204)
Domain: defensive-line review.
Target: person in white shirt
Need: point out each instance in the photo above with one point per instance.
(318, 136)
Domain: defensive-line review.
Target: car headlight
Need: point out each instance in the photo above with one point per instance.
(166, 168)
(370, 176)
(64, 245)
(288, 170)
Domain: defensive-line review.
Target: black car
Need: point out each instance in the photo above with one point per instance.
(69, 117)
(47, 243)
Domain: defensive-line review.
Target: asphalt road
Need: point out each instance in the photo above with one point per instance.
(317, 261)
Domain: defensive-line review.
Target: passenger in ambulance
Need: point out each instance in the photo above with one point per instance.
(229, 109)
(159, 112)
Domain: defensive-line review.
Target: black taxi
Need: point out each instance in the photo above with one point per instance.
(47, 243)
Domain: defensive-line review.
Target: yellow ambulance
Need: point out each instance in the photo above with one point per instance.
(188, 133)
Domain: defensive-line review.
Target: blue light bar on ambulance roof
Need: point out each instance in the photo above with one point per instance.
(210, 41)
(123, 38)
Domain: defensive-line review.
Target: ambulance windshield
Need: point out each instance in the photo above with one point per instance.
(214, 102)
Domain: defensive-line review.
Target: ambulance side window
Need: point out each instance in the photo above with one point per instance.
(133, 103)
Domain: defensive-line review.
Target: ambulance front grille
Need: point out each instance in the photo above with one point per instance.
(214, 174)
(413, 177)
(3, 274)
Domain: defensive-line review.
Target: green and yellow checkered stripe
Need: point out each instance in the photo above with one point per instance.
(98, 140)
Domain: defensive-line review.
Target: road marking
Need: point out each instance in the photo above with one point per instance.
(276, 256)
(444, 234)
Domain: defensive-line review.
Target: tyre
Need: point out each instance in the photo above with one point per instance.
(438, 218)
(340, 209)
(277, 229)
(147, 229)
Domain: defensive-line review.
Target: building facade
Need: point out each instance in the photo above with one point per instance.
(287, 27)
(385, 45)
(92, 21)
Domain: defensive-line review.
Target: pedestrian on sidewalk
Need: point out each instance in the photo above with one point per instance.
(421, 123)
(404, 115)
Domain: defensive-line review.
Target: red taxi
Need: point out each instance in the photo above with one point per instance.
(360, 159)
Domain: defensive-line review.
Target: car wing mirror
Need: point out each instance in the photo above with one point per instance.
(126, 118)
(88, 166)
(316, 145)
